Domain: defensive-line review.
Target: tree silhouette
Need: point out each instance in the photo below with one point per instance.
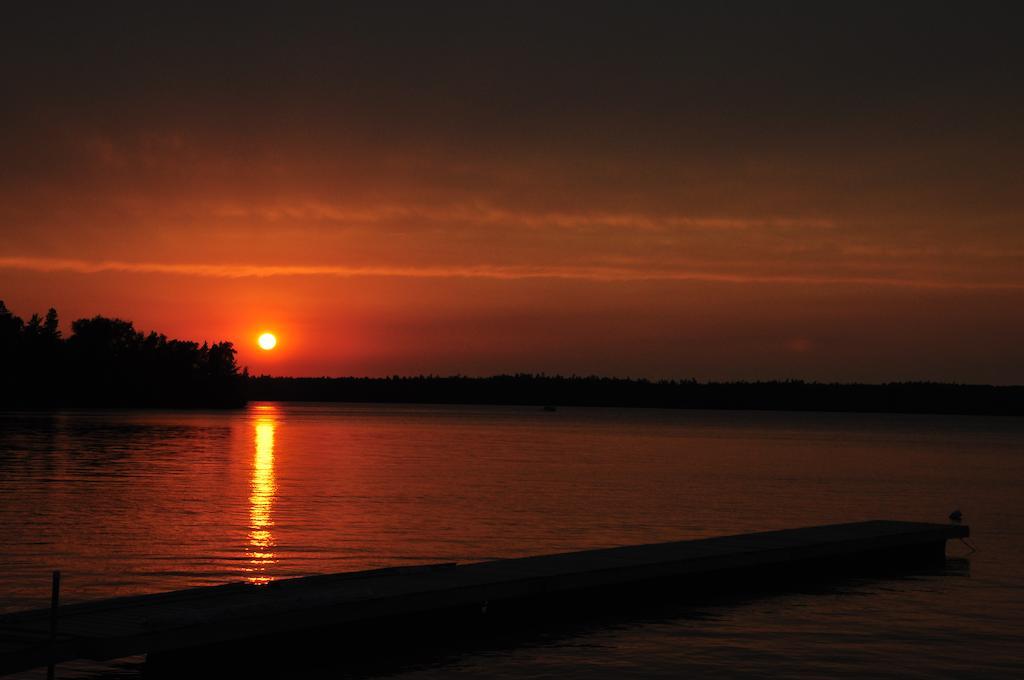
(547, 390)
(106, 362)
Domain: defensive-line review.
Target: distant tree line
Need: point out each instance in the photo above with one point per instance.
(106, 362)
(546, 390)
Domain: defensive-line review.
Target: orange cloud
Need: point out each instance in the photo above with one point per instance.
(487, 214)
(482, 271)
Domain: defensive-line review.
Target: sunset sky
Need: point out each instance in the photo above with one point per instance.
(743, 191)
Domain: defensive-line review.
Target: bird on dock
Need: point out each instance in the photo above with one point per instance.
(956, 517)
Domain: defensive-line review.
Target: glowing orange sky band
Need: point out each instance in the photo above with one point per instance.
(506, 272)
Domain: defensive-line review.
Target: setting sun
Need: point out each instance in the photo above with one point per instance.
(267, 341)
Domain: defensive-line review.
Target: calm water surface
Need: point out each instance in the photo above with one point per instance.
(129, 502)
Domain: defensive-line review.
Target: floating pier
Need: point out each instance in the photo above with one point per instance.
(237, 613)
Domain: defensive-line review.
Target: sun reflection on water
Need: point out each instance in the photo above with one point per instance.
(261, 500)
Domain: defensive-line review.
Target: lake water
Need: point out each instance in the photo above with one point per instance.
(137, 501)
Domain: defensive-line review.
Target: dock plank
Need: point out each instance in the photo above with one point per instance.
(132, 625)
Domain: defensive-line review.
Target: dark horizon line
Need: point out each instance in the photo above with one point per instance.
(552, 391)
(652, 381)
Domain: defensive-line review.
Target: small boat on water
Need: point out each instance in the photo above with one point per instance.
(550, 408)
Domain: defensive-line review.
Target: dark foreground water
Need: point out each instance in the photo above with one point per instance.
(129, 502)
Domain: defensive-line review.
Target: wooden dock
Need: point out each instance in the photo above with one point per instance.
(216, 615)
